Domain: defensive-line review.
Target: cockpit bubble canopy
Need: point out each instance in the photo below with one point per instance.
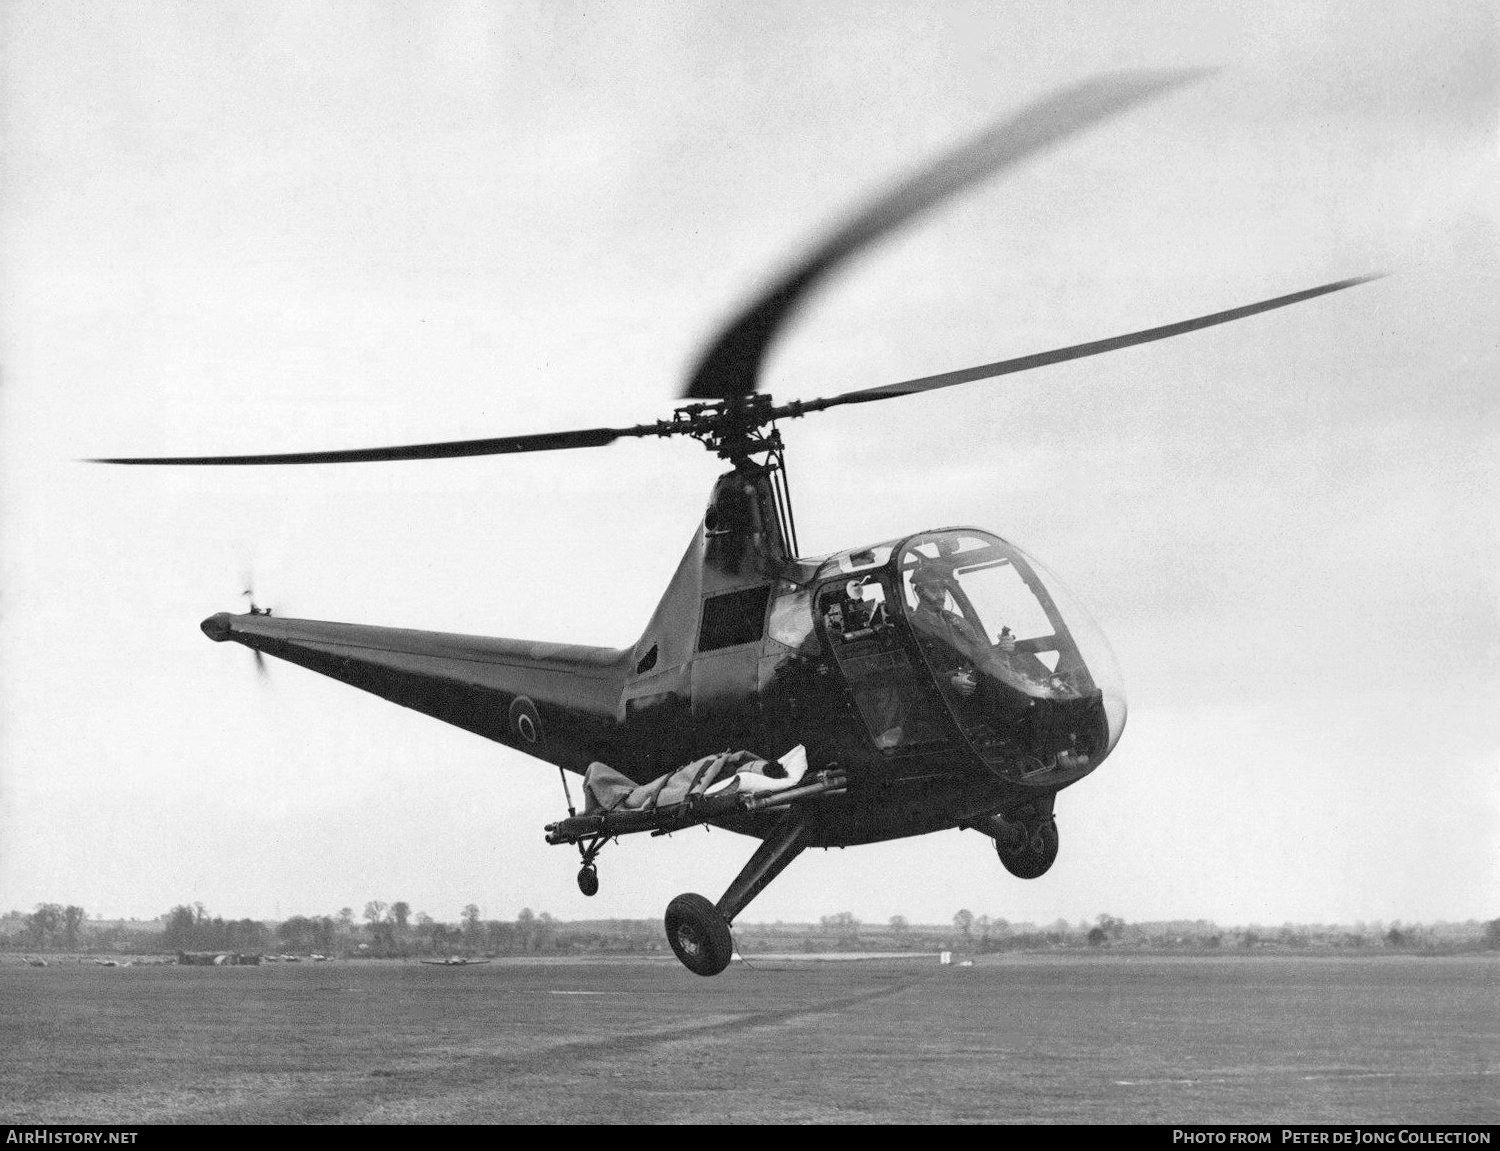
(1040, 638)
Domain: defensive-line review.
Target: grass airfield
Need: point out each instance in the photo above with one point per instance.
(1027, 1039)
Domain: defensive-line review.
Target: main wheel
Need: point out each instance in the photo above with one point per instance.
(699, 935)
(1035, 855)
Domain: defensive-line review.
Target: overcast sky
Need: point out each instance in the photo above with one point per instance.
(263, 227)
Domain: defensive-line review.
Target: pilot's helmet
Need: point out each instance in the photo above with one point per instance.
(929, 575)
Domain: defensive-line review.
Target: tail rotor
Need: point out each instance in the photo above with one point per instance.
(262, 669)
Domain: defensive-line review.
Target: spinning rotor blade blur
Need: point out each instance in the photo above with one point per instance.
(727, 412)
(731, 365)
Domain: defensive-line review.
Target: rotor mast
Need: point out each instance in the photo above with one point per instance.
(740, 429)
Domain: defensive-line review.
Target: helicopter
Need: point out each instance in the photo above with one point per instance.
(935, 680)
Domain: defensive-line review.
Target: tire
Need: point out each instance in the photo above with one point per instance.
(699, 935)
(1036, 857)
(588, 880)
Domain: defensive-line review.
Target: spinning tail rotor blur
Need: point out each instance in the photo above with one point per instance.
(262, 670)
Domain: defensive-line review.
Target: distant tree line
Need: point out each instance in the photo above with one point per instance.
(384, 931)
(394, 931)
(50, 927)
(188, 928)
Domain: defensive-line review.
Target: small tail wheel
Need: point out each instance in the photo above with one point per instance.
(588, 879)
(699, 935)
(1034, 855)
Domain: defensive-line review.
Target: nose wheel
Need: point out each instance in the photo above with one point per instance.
(1031, 850)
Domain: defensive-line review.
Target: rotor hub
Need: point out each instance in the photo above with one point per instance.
(731, 427)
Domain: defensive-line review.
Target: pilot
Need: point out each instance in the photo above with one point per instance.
(951, 642)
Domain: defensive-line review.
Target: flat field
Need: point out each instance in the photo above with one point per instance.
(1092, 1039)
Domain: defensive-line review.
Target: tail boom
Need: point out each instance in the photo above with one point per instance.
(558, 702)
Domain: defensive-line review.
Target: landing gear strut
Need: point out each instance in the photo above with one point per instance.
(699, 930)
(588, 874)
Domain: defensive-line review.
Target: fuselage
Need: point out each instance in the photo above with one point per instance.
(945, 673)
(1002, 693)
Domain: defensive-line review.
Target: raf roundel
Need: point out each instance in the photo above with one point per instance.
(525, 724)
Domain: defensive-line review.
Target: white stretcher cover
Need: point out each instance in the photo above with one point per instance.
(605, 789)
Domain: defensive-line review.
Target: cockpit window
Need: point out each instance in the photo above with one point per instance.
(997, 590)
(1029, 691)
(993, 602)
(855, 611)
(972, 595)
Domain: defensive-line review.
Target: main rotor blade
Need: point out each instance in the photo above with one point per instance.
(731, 365)
(504, 445)
(1059, 355)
